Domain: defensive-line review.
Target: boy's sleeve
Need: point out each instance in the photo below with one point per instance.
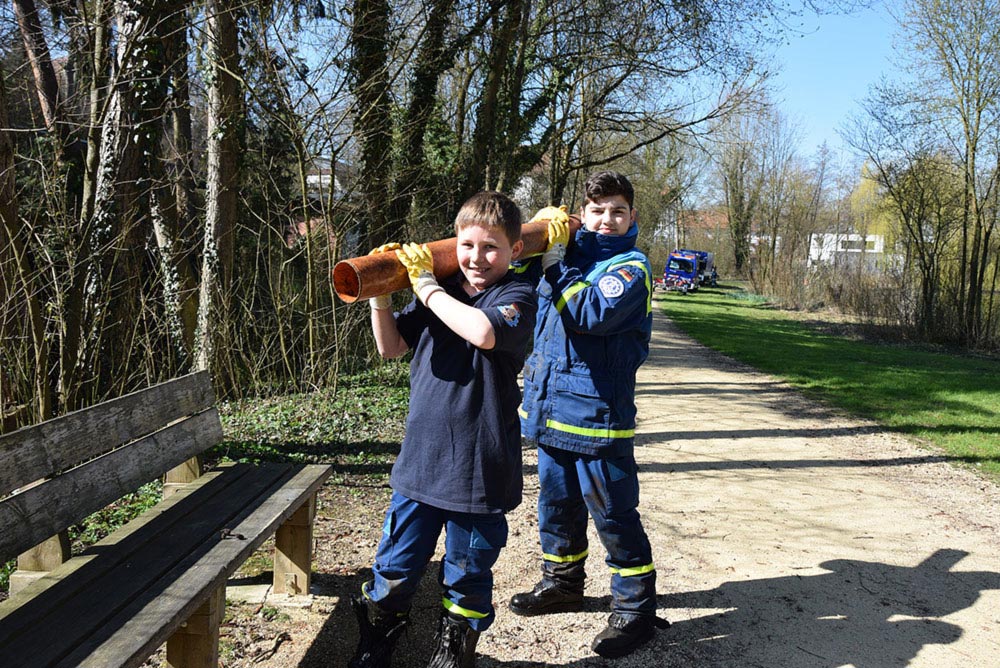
(411, 321)
(513, 317)
(616, 301)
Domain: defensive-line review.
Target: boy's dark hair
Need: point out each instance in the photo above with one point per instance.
(608, 184)
(493, 210)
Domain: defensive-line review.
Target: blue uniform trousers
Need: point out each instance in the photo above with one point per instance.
(409, 536)
(573, 484)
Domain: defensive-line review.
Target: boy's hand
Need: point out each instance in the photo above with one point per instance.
(384, 248)
(558, 236)
(382, 302)
(419, 265)
(550, 213)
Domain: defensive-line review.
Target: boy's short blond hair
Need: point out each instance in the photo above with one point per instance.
(492, 210)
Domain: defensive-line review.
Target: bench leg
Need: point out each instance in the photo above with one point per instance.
(39, 560)
(293, 545)
(196, 644)
(187, 472)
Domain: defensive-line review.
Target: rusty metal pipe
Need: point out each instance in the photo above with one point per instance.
(373, 275)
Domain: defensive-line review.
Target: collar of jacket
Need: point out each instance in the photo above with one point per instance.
(595, 247)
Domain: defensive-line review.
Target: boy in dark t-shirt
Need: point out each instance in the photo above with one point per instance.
(459, 466)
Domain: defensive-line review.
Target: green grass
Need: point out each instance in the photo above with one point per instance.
(122, 511)
(949, 399)
(358, 428)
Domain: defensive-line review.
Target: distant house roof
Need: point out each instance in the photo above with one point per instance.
(708, 220)
(296, 231)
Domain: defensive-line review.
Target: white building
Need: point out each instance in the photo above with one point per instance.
(318, 179)
(854, 250)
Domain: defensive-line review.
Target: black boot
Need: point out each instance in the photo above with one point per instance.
(547, 597)
(623, 636)
(379, 631)
(455, 643)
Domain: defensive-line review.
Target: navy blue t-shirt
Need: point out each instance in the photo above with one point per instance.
(462, 449)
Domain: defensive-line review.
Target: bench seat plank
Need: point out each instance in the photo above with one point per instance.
(41, 450)
(32, 515)
(130, 566)
(209, 573)
(118, 608)
(16, 601)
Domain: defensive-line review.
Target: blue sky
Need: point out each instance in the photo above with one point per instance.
(826, 71)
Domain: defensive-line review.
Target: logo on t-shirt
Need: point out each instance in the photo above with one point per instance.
(511, 314)
(611, 286)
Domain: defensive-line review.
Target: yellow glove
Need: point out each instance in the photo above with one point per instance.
(419, 265)
(382, 302)
(558, 235)
(551, 213)
(384, 248)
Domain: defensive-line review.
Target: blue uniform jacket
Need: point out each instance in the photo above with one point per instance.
(592, 333)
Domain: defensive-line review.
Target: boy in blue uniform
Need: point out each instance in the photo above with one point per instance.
(593, 330)
(459, 466)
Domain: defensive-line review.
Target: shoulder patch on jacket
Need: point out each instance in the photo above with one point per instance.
(611, 286)
(511, 314)
(625, 274)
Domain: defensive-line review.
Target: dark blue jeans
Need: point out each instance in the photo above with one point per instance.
(471, 546)
(608, 488)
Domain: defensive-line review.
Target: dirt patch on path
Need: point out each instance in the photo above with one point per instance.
(784, 535)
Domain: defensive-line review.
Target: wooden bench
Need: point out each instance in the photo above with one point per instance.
(161, 578)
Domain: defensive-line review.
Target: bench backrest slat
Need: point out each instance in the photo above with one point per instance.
(32, 515)
(39, 451)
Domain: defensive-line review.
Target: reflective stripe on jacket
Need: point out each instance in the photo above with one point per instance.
(592, 333)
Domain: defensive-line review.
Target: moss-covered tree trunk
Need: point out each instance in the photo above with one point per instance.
(225, 122)
(372, 122)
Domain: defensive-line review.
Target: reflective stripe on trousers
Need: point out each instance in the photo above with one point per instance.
(571, 487)
(409, 536)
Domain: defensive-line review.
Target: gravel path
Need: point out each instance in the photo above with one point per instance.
(784, 535)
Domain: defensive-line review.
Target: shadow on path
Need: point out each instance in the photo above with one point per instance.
(866, 614)
(860, 613)
(335, 643)
(779, 464)
(680, 435)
